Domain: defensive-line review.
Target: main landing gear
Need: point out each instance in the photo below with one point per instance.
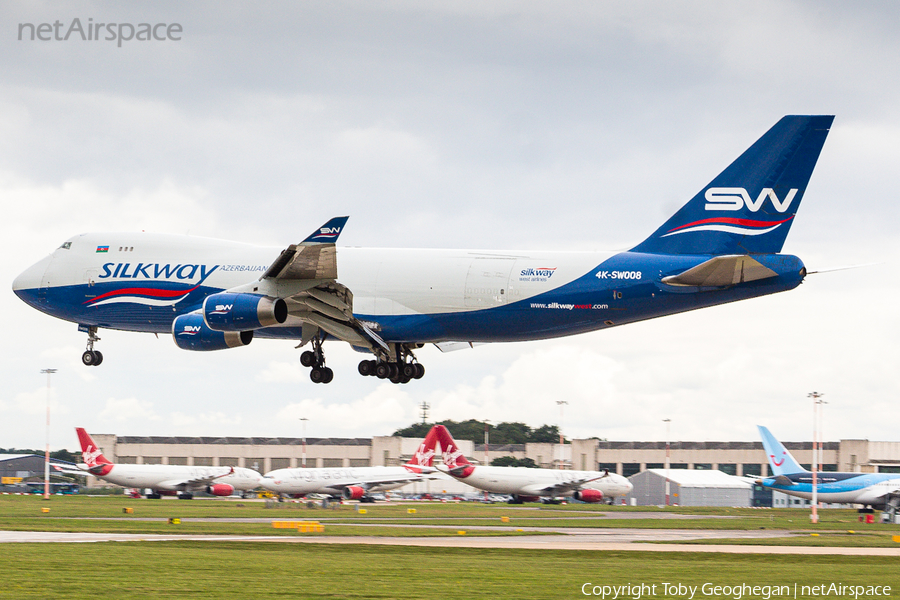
(402, 370)
(399, 365)
(91, 357)
(315, 359)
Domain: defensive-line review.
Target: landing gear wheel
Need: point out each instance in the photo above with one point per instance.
(420, 371)
(366, 368)
(382, 370)
(328, 375)
(317, 375)
(407, 371)
(91, 358)
(308, 358)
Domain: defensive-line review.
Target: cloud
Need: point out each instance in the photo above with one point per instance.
(129, 411)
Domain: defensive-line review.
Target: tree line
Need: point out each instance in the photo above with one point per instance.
(57, 454)
(499, 434)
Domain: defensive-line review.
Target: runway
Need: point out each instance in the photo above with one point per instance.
(610, 540)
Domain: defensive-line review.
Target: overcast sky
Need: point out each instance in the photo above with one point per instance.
(492, 125)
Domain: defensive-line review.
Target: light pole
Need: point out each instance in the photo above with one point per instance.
(817, 402)
(486, 437)
(303, 420)
(486, 457)
(562, 441)
(49, 372)
(667, 422)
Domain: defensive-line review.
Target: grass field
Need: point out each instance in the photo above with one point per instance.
(269, 570)
(188, 569)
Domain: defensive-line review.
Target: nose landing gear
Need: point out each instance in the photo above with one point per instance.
(91, 357)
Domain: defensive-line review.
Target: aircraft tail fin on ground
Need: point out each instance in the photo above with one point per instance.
(780, 460)
(91, 455)
(750, 206)
(454, 460)
(424, 455)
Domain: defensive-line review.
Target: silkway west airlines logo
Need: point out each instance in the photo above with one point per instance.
(160, 279)
(735, 199)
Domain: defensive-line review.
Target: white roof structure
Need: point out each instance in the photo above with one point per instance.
(702, 478)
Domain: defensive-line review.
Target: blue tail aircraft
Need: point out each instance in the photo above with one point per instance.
(723, 245)
(877, 490)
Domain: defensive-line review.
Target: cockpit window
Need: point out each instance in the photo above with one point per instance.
(66, 245)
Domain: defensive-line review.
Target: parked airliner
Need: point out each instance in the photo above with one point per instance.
(354, 483)
(165, 480)
(877, 490)
(723, 245)
(525, 484)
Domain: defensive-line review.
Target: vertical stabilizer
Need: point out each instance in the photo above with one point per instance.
(750, 206)
(781, 461)
(424, 455)
(96, 463)
(454, 460)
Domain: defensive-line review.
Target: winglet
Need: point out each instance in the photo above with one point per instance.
(781, 461)
(327, 233)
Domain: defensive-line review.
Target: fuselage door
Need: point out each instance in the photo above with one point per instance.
(487, 282)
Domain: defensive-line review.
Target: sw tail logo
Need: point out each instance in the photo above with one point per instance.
(733, 198)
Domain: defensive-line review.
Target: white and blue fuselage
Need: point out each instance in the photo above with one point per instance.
(143, 281)
(723, 245)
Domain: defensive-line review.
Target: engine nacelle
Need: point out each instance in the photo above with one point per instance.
(242, 312)
(220, 489)
(191, 333)
(353, 492)
(588, 495)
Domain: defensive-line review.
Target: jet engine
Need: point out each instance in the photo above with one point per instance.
(241, 312)
(191, 333)
(588, 495)
(220, 489)
(353, 492)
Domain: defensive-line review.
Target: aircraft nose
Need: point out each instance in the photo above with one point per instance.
(29, 280)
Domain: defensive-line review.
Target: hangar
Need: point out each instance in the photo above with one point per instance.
(689, 488)
(17, 470)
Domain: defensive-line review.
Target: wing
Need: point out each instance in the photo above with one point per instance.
(566, 487)
(305, 276)
(374, 482)
(193, 483)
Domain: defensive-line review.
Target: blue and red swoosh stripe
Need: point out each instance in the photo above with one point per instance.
(142, 292)
(729, 225)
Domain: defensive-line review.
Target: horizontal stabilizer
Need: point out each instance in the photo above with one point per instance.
(722, 271)
(783, 480)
